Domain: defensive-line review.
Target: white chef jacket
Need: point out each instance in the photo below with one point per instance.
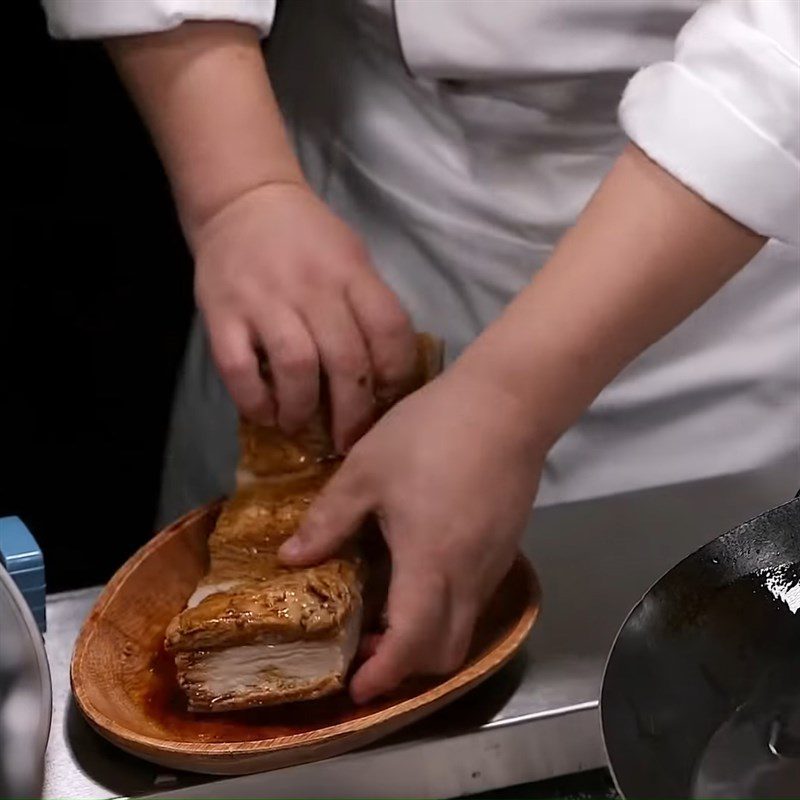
(462, 137)
(721, 114)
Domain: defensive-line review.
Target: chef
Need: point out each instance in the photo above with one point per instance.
(596, 203)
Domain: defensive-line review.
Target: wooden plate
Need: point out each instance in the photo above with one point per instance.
(125, 685)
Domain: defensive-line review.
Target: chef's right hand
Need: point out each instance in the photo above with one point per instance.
(278, 272)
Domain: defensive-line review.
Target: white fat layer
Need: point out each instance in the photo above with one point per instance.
(245, 477)
(250, 667)
(206, 590)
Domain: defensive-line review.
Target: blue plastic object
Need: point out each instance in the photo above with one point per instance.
(22, 558)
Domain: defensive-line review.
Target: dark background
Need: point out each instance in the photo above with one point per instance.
(95, 299)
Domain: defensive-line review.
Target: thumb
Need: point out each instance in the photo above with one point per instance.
(333, 518)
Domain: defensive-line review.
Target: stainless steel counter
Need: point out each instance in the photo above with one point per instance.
(536, 719)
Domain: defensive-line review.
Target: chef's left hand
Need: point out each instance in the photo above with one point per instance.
(451, 473)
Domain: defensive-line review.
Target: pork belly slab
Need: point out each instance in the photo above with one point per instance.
(254, 632)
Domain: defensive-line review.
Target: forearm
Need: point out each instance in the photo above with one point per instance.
(203, 92)
(645, 253)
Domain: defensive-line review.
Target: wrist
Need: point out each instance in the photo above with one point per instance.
(528, 427)
(198, 218)
(544, 374)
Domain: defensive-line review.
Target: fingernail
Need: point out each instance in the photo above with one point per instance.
(291, 549)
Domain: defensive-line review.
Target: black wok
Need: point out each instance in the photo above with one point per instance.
(701, 693)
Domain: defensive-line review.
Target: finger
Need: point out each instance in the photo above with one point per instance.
(387, 329)
(237, 362)
(293, 365)
(335, 515)
(457, 637)
(368, 645)
(346, 361)
(417, 610)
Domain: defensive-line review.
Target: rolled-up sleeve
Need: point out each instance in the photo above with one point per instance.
(91, 19)
(723, 116)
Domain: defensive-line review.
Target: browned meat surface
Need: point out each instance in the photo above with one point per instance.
(255, 632)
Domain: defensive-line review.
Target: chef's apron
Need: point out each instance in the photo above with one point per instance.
(461, 175)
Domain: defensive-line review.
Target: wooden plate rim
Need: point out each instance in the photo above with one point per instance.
(484, 667)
